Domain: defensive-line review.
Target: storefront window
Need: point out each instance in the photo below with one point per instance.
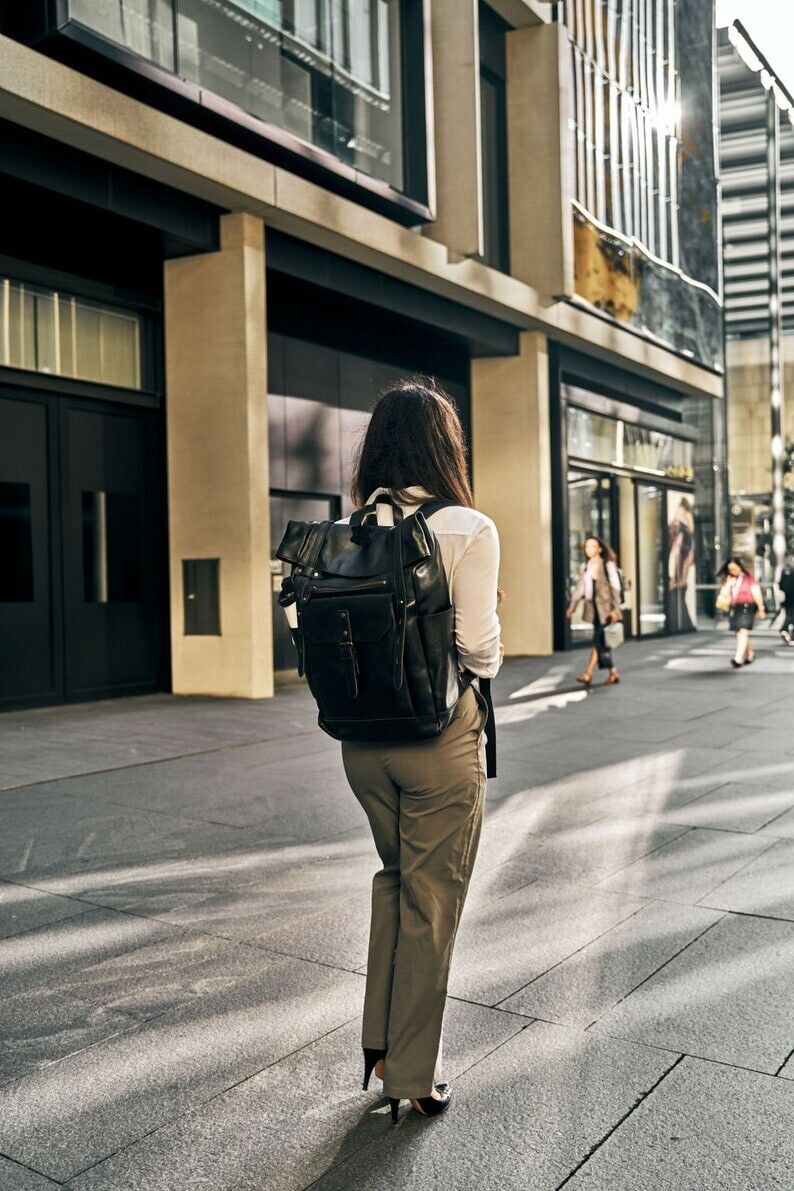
(599, 439)
(593, 437)
(327, 71)
(650, 568)
(589, 515)
(51, 332)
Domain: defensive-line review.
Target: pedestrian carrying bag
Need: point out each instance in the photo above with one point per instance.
(375, 628)
(723, 601)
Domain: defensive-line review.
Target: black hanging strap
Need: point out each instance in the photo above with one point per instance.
(490, 729)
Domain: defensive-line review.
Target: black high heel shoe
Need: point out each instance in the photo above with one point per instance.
(427, 1106)
(371, 1057)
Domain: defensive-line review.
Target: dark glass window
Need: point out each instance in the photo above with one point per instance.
(201, 595)
(16, 544)
(112, 547)
(327, 71)
(493, 103)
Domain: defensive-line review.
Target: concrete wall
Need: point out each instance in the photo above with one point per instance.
(218, 485)
(749, 433)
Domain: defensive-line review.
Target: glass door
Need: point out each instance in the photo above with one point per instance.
(651, 525)
(29, 669)
(590, 513)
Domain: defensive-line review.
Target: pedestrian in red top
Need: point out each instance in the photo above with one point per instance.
(741, 594)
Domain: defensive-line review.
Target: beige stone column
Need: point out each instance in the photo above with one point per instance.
(455, 34)
(511, 457)
(541, 179)
(218, 486)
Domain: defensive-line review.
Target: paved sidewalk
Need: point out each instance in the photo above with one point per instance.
(183, 913)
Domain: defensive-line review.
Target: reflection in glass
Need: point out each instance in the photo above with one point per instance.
(327, 71)
(143, 26)
(112, 547)
(592, 436)
(650, 529)
(16, 544)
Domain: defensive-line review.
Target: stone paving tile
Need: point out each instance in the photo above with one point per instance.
(583, 853)
(504, 944)
(734, 807)
(39, 1027)
(584, 986)
(74, 1113)
(689, 867)
(238, 786)
(39, 958)
(764, 887)
(704, 1126)
(726, 997)
(85, 836)
(14, 1177)
(522, 1119)
(336, 935)
(55, 742)
(24, 909)
(556, 1089)
(783, 826)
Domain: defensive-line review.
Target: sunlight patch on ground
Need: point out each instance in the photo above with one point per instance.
(528, 711)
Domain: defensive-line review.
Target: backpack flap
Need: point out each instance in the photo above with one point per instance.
(340, 555)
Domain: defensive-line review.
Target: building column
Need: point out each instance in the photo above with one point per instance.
(511, 455)
(218, 484)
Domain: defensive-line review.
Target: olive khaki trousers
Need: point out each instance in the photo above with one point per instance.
(424, 801)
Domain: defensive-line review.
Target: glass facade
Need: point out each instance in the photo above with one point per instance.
(600, 439)
(327, 71)
(646, 226)
(46, 331)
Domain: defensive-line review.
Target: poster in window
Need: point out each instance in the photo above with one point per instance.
(681, 591)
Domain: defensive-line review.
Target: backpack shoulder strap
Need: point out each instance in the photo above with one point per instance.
(432, 506)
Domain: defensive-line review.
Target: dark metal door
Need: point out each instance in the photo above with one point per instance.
(29, 663)
(113, 622)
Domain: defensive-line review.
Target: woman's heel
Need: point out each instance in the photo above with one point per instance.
(394, 1105)
(371, 1057)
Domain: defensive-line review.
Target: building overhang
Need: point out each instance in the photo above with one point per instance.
(59, 102)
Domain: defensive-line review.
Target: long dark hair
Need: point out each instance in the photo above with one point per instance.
(724, 568)
(606, 553)
(414, 437)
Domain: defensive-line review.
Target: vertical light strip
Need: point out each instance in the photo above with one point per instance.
(56, 333)
(6, 322)
(775, 329)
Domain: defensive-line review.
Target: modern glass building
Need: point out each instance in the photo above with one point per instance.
(229, 223)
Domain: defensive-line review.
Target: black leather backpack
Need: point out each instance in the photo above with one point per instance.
(376, 630)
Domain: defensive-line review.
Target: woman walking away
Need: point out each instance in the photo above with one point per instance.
(601, 589)
(402, 692)
(740, 587)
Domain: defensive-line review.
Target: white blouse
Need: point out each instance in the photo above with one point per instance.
(469, 545)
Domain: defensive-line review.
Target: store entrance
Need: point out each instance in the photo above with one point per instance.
(592, 511)
(81, 601)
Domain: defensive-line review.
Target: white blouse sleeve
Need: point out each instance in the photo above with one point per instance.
(473, 593)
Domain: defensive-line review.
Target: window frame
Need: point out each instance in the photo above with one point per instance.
(493, 72)
(51, 29)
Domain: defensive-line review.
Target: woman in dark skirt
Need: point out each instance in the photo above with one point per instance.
(741, 587)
